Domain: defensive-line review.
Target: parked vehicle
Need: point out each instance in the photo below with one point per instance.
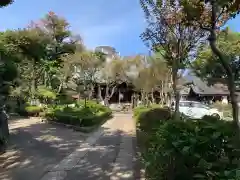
(197, 110)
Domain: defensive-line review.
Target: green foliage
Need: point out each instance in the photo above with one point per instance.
(138, 110)
(208, 66)
(46, 94)
(33, 110)
(40, 47)
(64, 99)
(5, 2)
(148, 118)
(189, 149)
(93, 114)
(95, 107)
(8, 73)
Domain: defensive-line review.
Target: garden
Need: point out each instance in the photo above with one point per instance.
(186, 148)
(54, 108)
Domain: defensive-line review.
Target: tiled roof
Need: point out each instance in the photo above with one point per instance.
(108, 49)
(201, 87)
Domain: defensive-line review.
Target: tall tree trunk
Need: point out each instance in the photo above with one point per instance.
(90, 95)
(162, 98)
(34, 79)
(45, 78)
(234, 103)
(231, 84)
(230, 76)
(175, 90)
(152, 96)
(107, 95)
(100, 93)
(119, 96)
(60, 87)
(141, 95)
(106, 100)
(223, 60)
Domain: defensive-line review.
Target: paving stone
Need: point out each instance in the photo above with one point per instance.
(57, 175)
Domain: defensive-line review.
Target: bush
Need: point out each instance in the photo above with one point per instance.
(94, 106)
(46, 94)
(64, 99)
(210, 118)
(79, 115)
(139, 110)
(188, 150)
(147, 119)
(32, 110)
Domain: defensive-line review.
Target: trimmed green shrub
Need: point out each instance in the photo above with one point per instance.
(46, 93)
(139, 110)
(210, 118)
(187, 150)
(93, 114)
(147, 119)
(33, 110)
(93, 105)
(64, 99)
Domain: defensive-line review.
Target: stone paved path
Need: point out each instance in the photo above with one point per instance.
(108, 153)
(35, 147)
(110, 156)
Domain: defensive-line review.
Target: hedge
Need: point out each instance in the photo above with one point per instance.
(79, 115)
(188, 149)
(30, 110)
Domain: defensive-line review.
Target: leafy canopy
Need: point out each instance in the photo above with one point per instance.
(207, 64)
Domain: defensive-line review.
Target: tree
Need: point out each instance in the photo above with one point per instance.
(31, 43)
(167, 34)
(85, 68)
(210, 16)
(61, 42)
(42, 46)
(207, 64)
(111, 74)
(82, 67)
(154, 73)
(8, 75)
(162, 76)
(8, 72)
(4, 3)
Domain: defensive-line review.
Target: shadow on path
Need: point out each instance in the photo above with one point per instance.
(112, 157)
(34, 147)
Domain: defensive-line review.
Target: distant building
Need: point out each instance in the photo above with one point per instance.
(200, 90)
(109, 51)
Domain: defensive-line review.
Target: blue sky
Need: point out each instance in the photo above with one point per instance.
(99, 22)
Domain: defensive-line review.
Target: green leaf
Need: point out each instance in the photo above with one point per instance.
(238, 173)
(199, 176)
(227, 173)
(216, 135)
(186, 149)
(203, 163)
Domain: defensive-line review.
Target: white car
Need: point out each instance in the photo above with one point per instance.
(197, 110)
